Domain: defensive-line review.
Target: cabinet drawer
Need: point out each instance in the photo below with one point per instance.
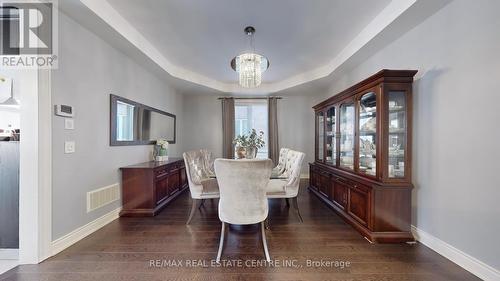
(341, 180)
(359, 204)
(160, 173)
(176, 166)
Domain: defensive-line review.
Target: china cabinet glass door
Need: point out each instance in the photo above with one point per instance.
(368, 134)
(321, 135)
(347, 135)
(331, 128)
(397, 134)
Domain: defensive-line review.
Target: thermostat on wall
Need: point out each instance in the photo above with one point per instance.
(64, 110)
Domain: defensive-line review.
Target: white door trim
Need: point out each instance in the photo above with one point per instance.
(35, 189)
(45, 162)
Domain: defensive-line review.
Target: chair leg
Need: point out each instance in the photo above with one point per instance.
(202, 203)
(193, 209)
(296, 207)
(221, 242)
(287, 202)
(264, 242)
(267, 224)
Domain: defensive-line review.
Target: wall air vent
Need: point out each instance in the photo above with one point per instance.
(102, 196)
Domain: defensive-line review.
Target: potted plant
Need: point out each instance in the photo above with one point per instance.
(255, 141)
(247, 146)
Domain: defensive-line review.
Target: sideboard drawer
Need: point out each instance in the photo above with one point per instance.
(160, 173)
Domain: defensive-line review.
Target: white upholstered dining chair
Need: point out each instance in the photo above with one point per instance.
(243, 200)
(199, 170)
(280, 168)
(288, 187)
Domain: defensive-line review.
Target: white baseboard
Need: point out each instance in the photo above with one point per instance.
(78, 234)
(469, 263)
(9, 254)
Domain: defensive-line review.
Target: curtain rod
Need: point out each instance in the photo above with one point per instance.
(250, 98)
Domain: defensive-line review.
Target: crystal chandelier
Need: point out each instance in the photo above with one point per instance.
(250, 65)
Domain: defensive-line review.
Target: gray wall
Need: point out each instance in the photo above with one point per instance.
(203, 124)
(456, 115)
(90, 70)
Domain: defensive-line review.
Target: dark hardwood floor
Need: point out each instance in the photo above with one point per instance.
(125, 249)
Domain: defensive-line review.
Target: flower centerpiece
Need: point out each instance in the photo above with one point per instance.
(161, 150)
(248, 145)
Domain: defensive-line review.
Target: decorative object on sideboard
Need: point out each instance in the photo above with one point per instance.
(250, 144)
(160, 151)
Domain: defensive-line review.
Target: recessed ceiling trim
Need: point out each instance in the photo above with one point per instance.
(116, 21)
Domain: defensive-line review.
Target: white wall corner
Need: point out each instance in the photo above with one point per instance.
(469, 263)
(78, 234)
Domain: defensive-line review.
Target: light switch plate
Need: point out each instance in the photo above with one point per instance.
(69, 147)
(69, 124)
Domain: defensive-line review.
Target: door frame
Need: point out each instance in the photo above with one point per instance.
(35, 188)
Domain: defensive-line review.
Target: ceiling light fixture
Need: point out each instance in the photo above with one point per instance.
(11, 101)
(250, 65)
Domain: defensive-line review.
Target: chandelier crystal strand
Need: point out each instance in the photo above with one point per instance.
(250, 65)
(250, 73)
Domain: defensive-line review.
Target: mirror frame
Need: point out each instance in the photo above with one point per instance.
(112, 136)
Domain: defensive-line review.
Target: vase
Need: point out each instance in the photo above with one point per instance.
(240, 152)
(251, 152)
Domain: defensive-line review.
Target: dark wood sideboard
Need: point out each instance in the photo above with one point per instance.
(148, 187)
(362, 166)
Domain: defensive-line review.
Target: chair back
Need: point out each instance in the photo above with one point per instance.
(280, 168)
(242, 186)
(293, 169)
(197, 168)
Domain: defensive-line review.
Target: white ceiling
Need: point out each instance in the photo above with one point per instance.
(191, 42)
(203, 36)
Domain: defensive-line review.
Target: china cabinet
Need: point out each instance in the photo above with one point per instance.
(362, 166)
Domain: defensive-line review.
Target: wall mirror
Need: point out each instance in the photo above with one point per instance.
(133, 123)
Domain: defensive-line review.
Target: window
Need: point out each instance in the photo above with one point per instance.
(124, 121)
(252, 114)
